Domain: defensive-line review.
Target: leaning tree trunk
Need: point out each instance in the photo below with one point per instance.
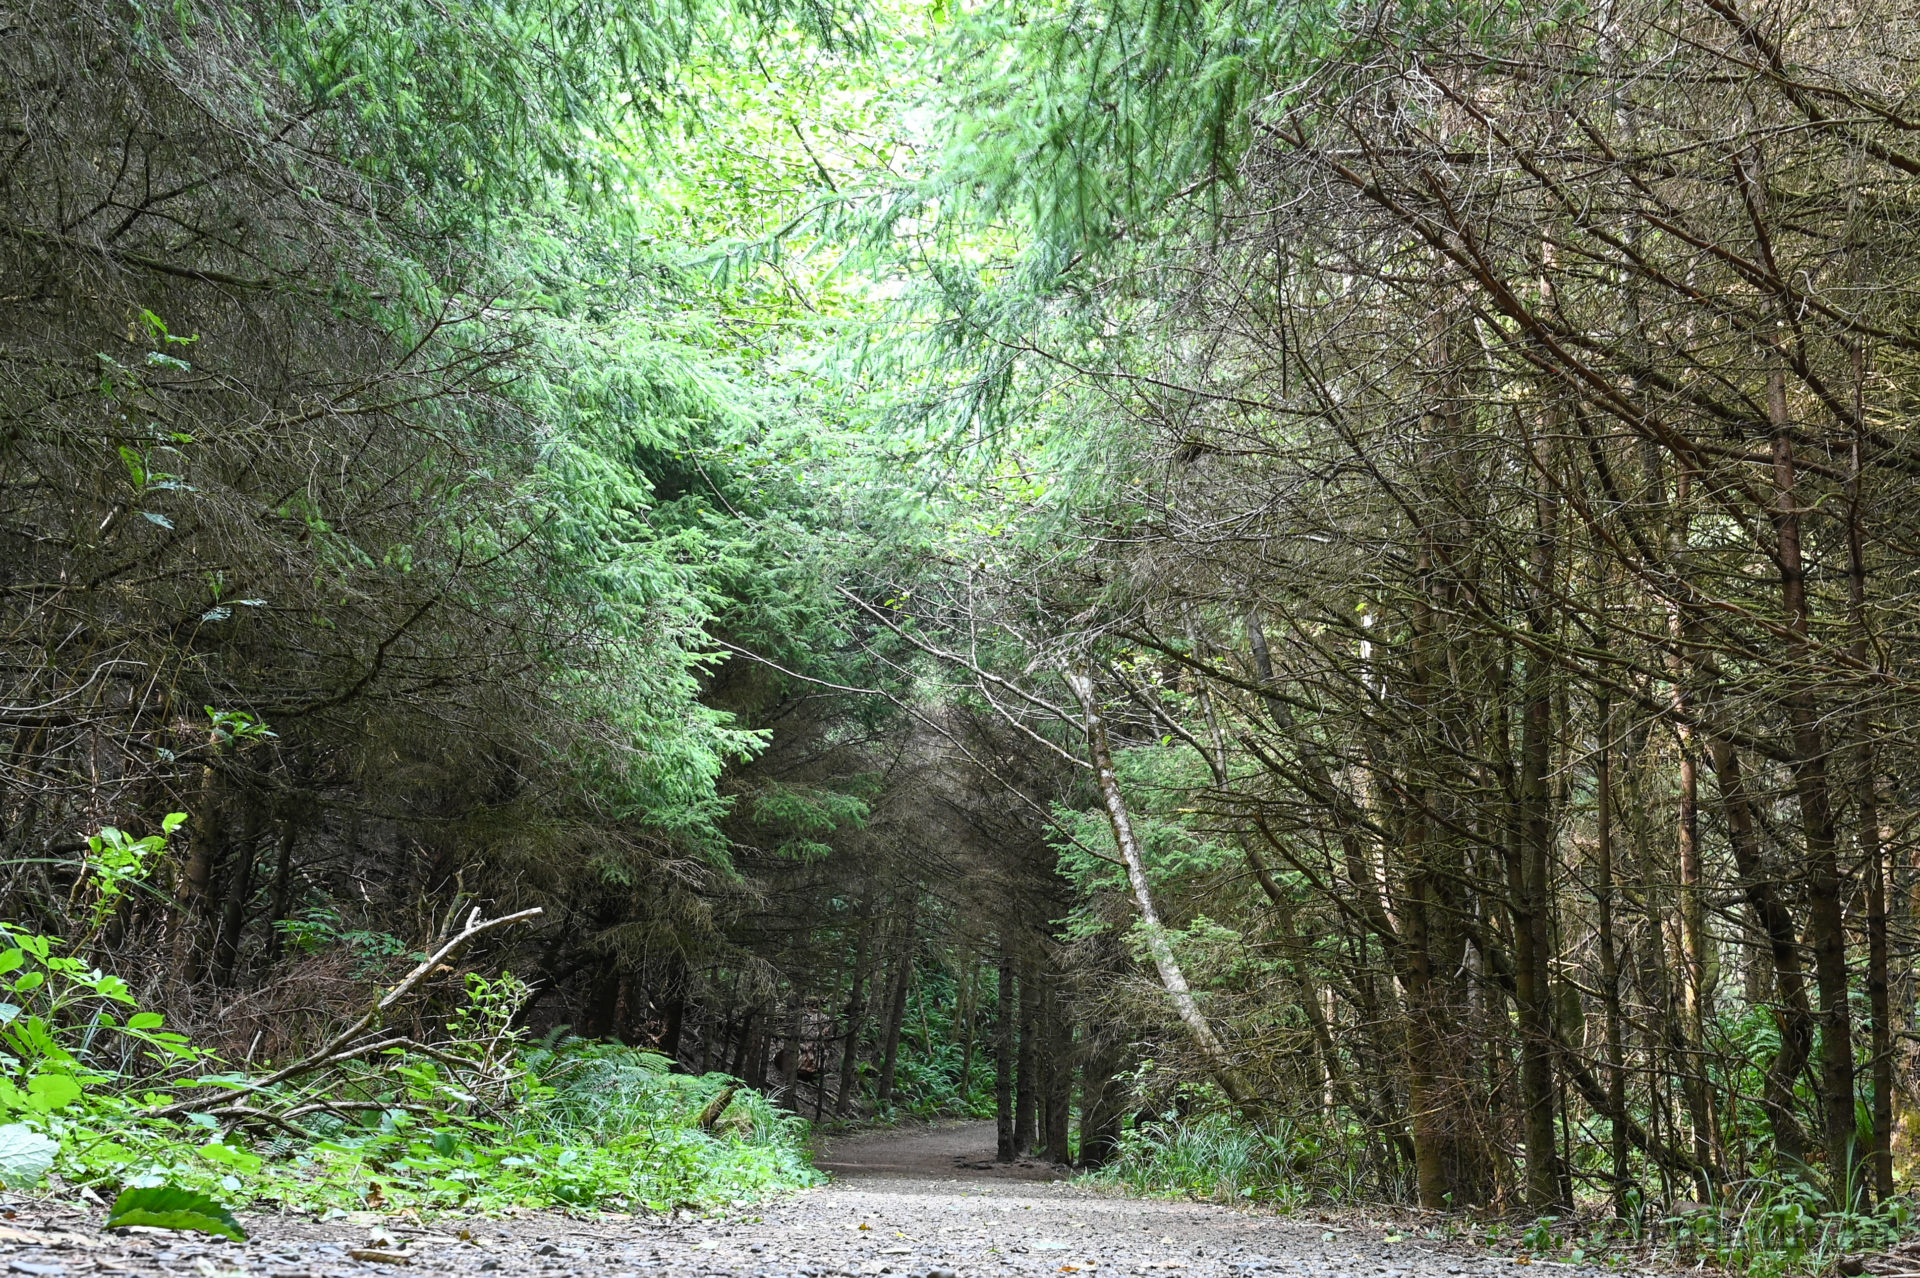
(1166, 963)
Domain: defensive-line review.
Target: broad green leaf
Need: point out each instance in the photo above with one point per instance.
(25, 1155)
(171, 1207)
(230, 1156)
(53, 1091)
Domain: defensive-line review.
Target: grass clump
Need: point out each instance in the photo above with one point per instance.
(1214, 1158)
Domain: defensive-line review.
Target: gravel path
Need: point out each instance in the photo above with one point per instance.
(919, 1204)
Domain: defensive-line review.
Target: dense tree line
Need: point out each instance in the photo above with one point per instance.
(354, 501)
(1480, 611)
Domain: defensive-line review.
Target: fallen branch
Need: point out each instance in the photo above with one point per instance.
(348, 1107)
(340, 1047)
(716, 1107)
(241, 1115)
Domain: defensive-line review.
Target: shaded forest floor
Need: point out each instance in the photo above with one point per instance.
(923, 1203)
(949, 1150)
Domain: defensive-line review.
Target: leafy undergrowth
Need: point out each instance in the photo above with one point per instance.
(1218, 1159)
(97, 1094)
(1766, 1228)
(586, 1125)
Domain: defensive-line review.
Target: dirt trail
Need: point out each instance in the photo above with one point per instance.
(925, 1203)
(944, 1151)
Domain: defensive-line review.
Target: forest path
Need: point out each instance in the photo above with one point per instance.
(942, 1150)
(931, 1203)
(917, 1203)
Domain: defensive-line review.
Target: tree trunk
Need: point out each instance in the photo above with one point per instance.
(856, 1010)
(1826, 890)
(1531, 880)
(668, 1044)
(1867, 803)
(196, 878)
(1026, 1088)
(621, 1025)
(282, 900)
(1006, 1145)
(1172, 978)
(236, 892)
(1683, 1020)
(707, 1031)
(1391, 1130)
(1619, 1172)
(1695, 963)
(1059, 1148)
(1379, 1115)
(1533, 949)
(963, 1020)
(603, 1001)
(1102, 1097)
(1879, 1001)
(1796, 1019)
(749, 1046)
(790, 1051)
(897, 1005)
(762, 1058)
